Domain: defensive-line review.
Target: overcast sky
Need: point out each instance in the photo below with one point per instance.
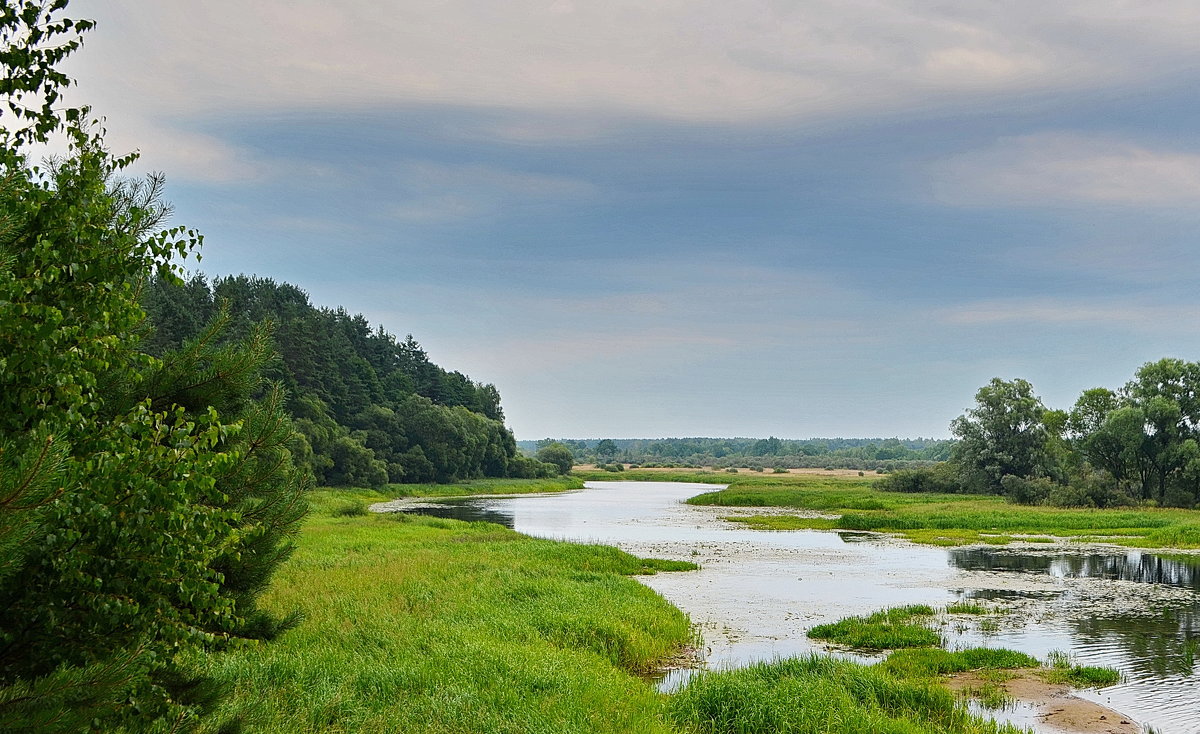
(670, 218)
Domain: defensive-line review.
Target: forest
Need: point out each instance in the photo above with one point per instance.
(369, 409)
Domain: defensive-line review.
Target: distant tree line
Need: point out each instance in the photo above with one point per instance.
(1134, 445)
(841, 453)
(369, 408)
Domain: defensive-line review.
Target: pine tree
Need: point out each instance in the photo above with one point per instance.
(144, 502)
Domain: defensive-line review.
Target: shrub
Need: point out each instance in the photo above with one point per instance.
(939, 479)
(1029, 491)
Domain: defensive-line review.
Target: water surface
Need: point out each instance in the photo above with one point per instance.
(758, 592)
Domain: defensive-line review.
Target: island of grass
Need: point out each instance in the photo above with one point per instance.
(838, 502)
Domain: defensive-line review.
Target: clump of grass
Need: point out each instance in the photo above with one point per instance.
(350, 509)
(889, 629)
(963, 607)
(928, 663)
(1062, 670)
(989, 695)
(819, 694)
(1083, 676)
(651, 566)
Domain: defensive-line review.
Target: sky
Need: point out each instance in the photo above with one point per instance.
(702, 218)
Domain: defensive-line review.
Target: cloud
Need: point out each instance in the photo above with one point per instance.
(713, 61)
(558, 71)
(1062, 168)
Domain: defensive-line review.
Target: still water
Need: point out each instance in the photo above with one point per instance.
(758, 592)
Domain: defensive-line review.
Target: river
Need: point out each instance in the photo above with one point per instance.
(758, 592)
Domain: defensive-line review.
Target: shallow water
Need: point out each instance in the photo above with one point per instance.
(758, 592)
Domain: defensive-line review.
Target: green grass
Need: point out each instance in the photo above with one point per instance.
(963, 607)
(1083, 676)
(933, 662)
(485, 486)
(785, 522)
(889, 629)
(1060, 669)
(418, 624)
(819, 694)
(945, 519)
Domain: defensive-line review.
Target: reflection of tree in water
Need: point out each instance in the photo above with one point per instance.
(466, 511)
(1161, 645)
(1152, 645)
(1006, 594)
(1140, 567)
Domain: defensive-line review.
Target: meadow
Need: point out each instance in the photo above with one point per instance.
(417, 624)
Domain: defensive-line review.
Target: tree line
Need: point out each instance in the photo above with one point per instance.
(771, 452)
(369, 408)
(1138, 444)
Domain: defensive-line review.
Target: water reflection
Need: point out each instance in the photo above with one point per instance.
(465, 510)
(1135, 566)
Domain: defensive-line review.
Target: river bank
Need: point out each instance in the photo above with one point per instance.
(758, 592)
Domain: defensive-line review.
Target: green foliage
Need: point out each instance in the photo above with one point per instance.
(941, 478)
(548, 483)
(940, 519)
(558, 455)
(1004, 434)
(144, 502)
(372, 409)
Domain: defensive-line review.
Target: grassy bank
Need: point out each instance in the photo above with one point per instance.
(852, 503)
(484, 486)
(418, 624)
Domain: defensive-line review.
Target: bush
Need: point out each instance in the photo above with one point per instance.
(1030, 491)
(939, 478)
